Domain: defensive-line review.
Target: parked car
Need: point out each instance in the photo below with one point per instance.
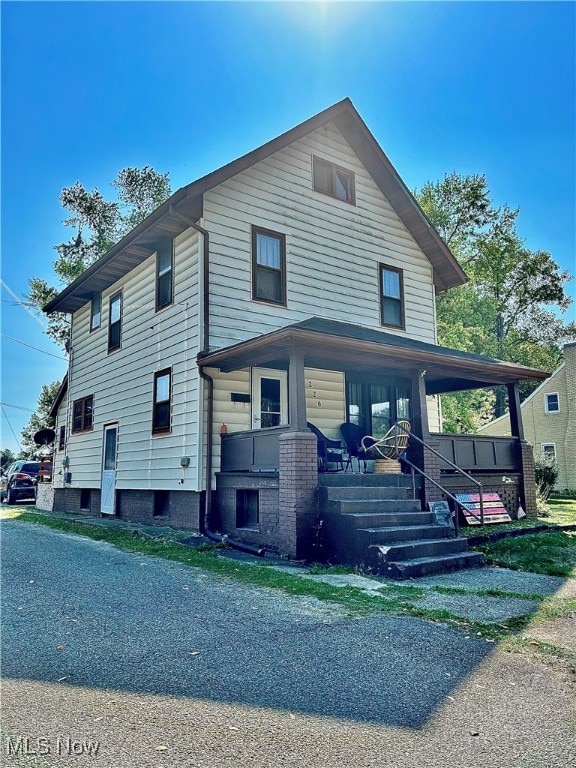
(19, 481)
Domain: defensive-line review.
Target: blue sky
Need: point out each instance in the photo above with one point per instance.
(90, 88)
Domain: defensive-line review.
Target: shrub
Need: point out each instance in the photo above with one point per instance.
(546, 473)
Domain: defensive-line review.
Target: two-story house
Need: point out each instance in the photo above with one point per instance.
(296, 284)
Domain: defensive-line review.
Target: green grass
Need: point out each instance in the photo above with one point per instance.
(397, 599)
(562, 511)
(551, 553)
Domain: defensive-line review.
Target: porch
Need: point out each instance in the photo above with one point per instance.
(275, 468)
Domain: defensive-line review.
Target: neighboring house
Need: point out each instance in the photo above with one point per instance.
(294, 284)
(549, 416)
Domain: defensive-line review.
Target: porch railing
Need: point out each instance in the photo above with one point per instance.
(479, 453)
(454, 467)
(254, 450)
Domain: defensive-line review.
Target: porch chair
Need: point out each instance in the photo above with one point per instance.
(353, 435)
(392, 445)
(329, 451)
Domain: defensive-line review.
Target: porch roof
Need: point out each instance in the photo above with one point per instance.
(336, 345)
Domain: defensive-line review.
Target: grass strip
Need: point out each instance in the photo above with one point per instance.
(553, 554)
(393, 599)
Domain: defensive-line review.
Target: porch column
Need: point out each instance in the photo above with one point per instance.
(420, 456)
(296, 392)
(516, 425)
(298, 487)
(525, 453)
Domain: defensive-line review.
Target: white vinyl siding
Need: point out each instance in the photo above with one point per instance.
(122, 383)
(333, 249)
(325, 404)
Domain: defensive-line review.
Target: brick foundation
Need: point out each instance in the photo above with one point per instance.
(45, 497)
(224, 502)
(182, 509)
(298, 490)
(528, 486)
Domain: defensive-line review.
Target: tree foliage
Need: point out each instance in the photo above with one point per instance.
(40, 419)
(97, 225)
(509, 308)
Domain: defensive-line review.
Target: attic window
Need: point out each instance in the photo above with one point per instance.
(332, 180)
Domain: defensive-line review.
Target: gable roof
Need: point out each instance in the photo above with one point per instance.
(173, 216)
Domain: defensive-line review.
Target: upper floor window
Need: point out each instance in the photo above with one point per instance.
(114, 322)
(551, 402)
(268, 266)
(164, 271)
(62, 438)
(391, 296)
(334, 181)
(95, 311)
(82, 412)
(162, 400)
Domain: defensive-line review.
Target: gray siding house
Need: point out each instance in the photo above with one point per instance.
(296, 284)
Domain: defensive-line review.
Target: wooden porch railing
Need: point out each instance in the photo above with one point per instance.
(479, 453)
(254, 450)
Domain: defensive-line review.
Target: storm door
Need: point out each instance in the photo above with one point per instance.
(108, 494)
(269, 398)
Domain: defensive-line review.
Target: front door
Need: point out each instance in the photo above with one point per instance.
(108, 494)
(269, 398)
(376, 406)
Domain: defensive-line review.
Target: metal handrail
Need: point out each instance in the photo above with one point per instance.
(444, 490)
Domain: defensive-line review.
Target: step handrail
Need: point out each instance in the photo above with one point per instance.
(444, 490)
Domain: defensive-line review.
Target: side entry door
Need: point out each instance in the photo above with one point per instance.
(108, 494)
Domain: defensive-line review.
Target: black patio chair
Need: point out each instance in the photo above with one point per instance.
(353, 435)
(329, 451)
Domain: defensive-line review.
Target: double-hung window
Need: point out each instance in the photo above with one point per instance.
(82, 413)
(551, 402)
(391, 296)
(268, 266)
(164, 272)
(162, 400)
(114, 322)
(95, 311)
(332, 180)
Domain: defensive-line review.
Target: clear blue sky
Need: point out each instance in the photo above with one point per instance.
(90, 88)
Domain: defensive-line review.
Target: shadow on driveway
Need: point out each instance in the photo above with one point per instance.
(80, 611)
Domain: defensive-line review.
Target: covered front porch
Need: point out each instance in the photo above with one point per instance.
(266, 472)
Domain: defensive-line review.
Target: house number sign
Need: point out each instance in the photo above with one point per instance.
(310, 385)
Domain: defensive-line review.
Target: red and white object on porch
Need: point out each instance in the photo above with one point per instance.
(494, 509)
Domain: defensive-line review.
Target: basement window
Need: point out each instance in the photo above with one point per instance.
(247, 508)
(161, 503)
(85, 499)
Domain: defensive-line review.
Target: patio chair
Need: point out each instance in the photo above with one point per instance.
(329, 451)
(392, 445)
(353, 435)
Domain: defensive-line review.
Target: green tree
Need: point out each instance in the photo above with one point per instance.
(506, 310)
(6, 457)
(97, 225)
(40, 419)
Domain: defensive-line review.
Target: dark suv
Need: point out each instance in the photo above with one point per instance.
(20, 480)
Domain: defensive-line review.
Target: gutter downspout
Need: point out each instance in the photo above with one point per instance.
(205, 516)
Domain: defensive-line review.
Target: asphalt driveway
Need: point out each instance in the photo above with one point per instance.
(84, 624)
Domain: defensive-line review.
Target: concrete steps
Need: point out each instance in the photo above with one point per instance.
(376, 524)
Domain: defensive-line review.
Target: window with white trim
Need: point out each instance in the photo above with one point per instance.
(114, 322)
(162, 401)
(551, 402)
(268, 266)
(548, 449)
